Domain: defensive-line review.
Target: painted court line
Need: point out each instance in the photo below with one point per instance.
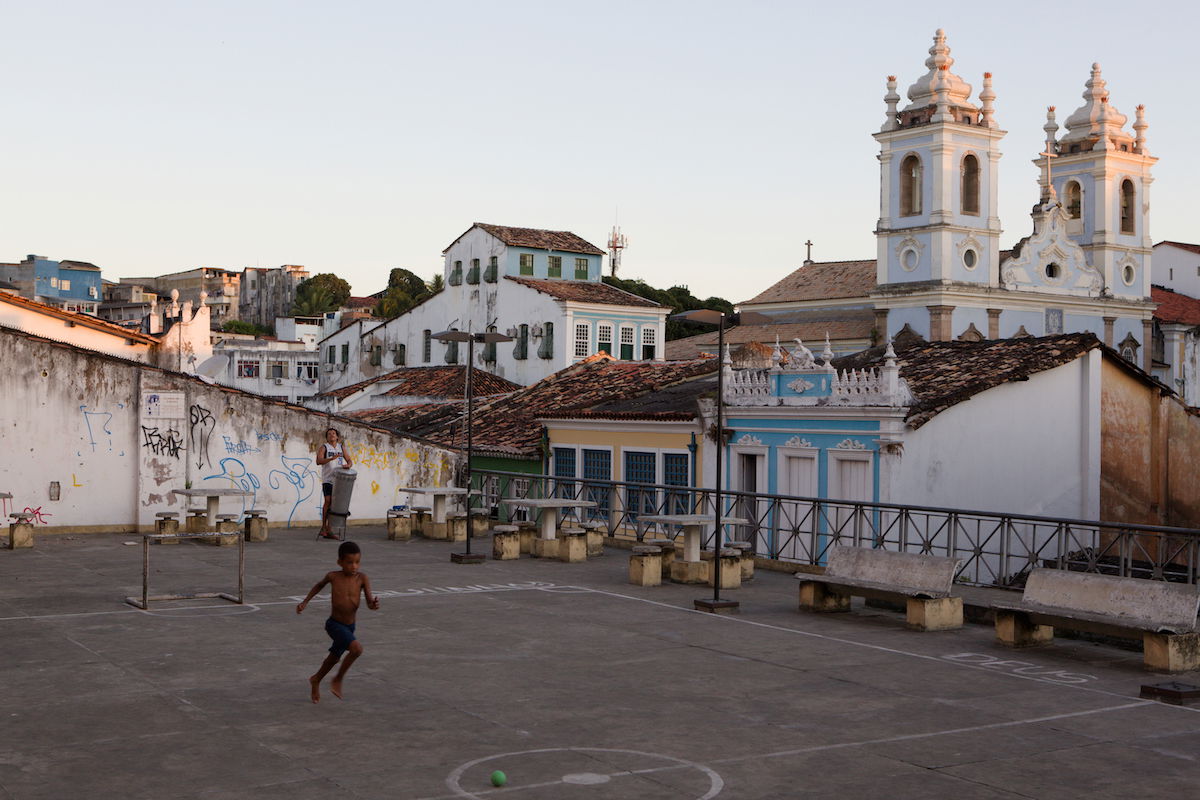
(884, 649)
(777, 754)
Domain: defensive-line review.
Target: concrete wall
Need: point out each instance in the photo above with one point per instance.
(1128, 484)
(1021, 447)
(1183, 466)
(116, 437)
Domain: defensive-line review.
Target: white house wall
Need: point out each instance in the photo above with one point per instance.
(1026, 448)
(113, 438)
(1177, 269)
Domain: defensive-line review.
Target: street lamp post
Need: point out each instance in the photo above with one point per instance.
(487, 337)
(710, 317)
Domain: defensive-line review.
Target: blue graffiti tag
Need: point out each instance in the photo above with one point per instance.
(299, 473)
(102, 420)
(236, 473)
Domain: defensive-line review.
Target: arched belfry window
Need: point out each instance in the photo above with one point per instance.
(910, 186)
(1074, 200)
(970, 185)
(1127, 204)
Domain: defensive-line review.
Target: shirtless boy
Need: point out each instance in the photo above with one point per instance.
(345, 586)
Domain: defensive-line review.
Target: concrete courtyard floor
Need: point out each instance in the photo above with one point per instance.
(565, 677)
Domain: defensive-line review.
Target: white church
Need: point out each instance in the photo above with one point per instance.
(940, 272)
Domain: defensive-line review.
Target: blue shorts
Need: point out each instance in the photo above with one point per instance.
(342, 635)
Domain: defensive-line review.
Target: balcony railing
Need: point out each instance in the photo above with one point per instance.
(996, 549)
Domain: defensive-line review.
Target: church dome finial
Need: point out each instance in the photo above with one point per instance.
(924, 91)
(1097, 118)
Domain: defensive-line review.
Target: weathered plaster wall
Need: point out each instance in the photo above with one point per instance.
(117, 437)
(1128, 483)
(1183, 466)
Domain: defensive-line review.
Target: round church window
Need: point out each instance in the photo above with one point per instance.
(970, 259)
(1128, 274)
(909, 259)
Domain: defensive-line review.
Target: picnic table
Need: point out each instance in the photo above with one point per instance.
(693, 529)
(548, 510)
(213, 497)
(440, 495)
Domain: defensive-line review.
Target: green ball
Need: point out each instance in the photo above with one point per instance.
(499, 778)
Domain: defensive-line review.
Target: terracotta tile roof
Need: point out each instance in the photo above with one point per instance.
(840, 325)
(674, 403)
(944, 374)
(533, 237)
(447, 381)
(822, 280)
(85, 320)
(1191, 248)
(508, 425)
(360, 302)
(585, 292)
(1175, 307)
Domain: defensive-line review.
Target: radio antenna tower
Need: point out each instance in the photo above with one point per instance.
(616, 243)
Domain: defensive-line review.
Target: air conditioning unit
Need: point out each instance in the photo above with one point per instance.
(327, 368)
(279, 381)
(512, 332)
(341, 367)
(535, 330)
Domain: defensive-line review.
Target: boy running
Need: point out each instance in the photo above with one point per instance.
(345, 586)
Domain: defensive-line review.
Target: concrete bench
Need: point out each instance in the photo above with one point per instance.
(528, 531)
(197, 520)
(478, 524)
(227, 526)
(399, 524)
(645, 565)
(667, 546)
(922, 581)
(20, 530)
(166, 523)
(506, 542)
(255, 525)
(595, 537)
(745, 558)
(1162, 614)
(456, 526)
(572, 545)
(729, 567)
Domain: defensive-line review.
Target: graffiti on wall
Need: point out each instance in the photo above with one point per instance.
(167, 442)
(268, 437)
(298, 472)
(202, 424)
(39, 516)
(240, 447)
(99, 434)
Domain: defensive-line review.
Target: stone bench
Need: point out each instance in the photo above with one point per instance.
(595, 537)
(1162, 614)
(478, 525)
(667, 546)
(197, 520)
(923, 582)
(255, 525)
(572, 545)
(746, 558)
(645, 565)
(506, 542)
(456, 526)
(226, 525)
(166, 523)
(528, 531)
(399, 524)
(20, 530)
(729, 567)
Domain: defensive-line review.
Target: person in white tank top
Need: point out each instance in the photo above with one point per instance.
(331, 455)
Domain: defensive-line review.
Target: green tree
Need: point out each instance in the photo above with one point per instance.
(436, 284)
(404, 291)
(320, 293)
(239, 326)
(678, 298)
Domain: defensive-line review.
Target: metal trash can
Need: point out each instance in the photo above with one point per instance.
(343, 488)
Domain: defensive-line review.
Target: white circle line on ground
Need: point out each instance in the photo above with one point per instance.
(716, 784)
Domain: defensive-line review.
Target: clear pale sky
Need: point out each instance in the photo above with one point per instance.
(353, 137)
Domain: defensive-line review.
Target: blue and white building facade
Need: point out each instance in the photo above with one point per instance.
(940, 271)
(69, 285)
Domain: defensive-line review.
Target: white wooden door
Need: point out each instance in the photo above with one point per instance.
(797, 520)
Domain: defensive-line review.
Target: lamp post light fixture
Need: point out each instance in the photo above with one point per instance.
(470, 337)
(708, 316)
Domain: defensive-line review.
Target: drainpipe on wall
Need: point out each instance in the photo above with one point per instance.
(692, 449)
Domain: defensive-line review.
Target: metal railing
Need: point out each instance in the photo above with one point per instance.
(996, 549)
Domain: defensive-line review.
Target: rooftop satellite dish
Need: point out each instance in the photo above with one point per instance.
(213, 367)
